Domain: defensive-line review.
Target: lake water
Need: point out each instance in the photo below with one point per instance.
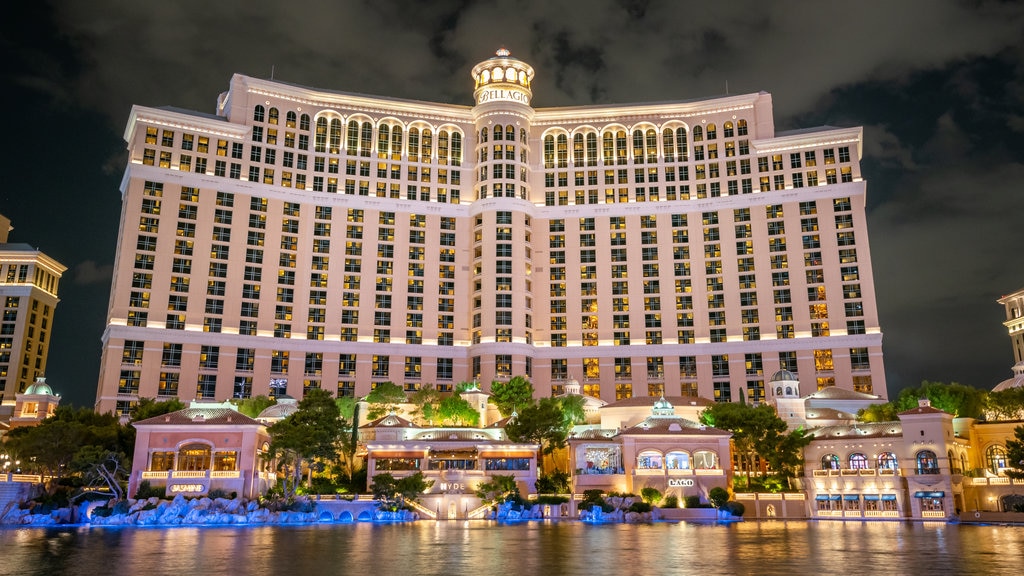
(536, 548)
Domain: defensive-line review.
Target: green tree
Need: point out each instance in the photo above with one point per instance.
(572, 410)
(512, 396)
(957, 399)
(252, 407)
(555, 483)
(384, 399)
(50, 448)
(1005, 404)
(878, 413)
(542, 423)
(757, 431)
(457, 411)
(309, 438)
(500, 488)
(149, 408)
(392, 494)
(427, 401)
(101, 467)
(783, 452)
(465, 386)
(1015, 454)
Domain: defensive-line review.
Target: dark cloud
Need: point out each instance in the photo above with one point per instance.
(89, 272)
(937, 86)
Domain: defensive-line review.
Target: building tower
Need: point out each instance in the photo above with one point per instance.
(502, 282)
(28, 294)
(1014, 305)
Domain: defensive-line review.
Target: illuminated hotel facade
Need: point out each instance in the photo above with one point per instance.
(303, 237)
(28, 296)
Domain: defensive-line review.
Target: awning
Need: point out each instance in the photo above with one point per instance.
(835, 497)
(821, 497)
(851, 497)
(929, 494)
(888, 496)
(871, 497)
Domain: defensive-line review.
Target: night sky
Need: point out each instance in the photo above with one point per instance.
(937, 85)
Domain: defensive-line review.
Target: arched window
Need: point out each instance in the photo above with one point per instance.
(677, 460)
(741, 127)
(396, 143)
(272, 116)
(830, 462)
(383, 141)
(366, 139)
(705, 460)
(549, 151)
(320, 143)
(591, 149)
(335, 136)
(456, 153)
(577, 150)
(510, 133)
(995, 459)
(352, 138)
(620, 147)
(668, 145)
(698, 134)
(426, 145)
(414, 144)
(499, 132)
(257, 113)
(858, 461)
(483, 135)
(927, 462)
(887, 461)
(194, 457)
(727, 130)
(442, 147)
(289, 119)
(304, 122)
(608, 148)
(638, 146)
(682, 147)
(649, 460)
(652, 146)
(522, 135)
(711, 132)
(563, 151)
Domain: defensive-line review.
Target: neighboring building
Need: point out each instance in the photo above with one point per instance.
(28, 296)
(1014, 304)
(831, 406)
(204, 447)
(303, 238)
(37, 403)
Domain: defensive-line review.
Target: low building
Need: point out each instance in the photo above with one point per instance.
(663, 450)
(207, 446)
(456, 460)
(37, 403)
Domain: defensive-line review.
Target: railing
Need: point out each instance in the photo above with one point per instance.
(716, 472)
(30, 478)
(933, 514)
(881, 514)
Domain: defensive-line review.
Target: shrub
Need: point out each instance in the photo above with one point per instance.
(718, 496)
(670, 502)
(551, 499)
(146, 491)
(735, 508)
(692, 501)
(651, 495)
(217, 493)
(640, 507)
(554, 483)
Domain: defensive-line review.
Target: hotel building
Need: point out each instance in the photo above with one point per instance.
(28, 296)
(303, 237)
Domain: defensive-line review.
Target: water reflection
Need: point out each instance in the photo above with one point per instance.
(564, 548)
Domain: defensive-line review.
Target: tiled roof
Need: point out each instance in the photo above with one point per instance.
(859, 430)
(200, 416)
(923, 410)
(676, 401)
(837, 393)
(673, 425)
(391, 421)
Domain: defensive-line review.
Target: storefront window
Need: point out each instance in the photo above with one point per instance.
(678, 461)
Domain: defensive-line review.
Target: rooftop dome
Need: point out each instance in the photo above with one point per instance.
(40, 387)
(784, 376)
(285, 407)
(1017, 381)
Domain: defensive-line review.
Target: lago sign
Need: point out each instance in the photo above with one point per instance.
(680, 482)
